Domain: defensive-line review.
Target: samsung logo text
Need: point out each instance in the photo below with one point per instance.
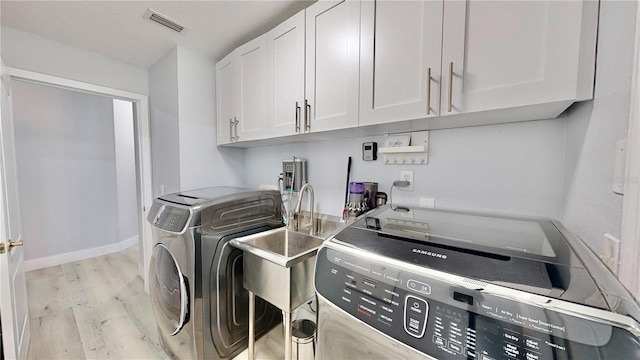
(429, 253)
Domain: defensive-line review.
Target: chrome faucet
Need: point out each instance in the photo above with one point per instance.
(297, 215)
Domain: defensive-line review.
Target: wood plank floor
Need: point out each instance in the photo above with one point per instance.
(97, 309)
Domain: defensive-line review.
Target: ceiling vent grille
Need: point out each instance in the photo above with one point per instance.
(160, 19)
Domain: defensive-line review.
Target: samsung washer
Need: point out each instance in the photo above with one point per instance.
(199, 303)
(435, 284)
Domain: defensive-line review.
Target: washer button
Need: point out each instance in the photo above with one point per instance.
(415, 316)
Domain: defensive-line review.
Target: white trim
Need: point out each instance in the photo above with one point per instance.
(630, 239)
(45, 262)
(143, 151)
(70, 84)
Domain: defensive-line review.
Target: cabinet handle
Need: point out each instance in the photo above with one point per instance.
(297, 117)
(450, 85)
(307, 116)
(230, 129)
(428, 91)
(236, 122)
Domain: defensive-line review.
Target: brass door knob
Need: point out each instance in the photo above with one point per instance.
(12, 244)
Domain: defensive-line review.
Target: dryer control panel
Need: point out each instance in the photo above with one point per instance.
(443, 320)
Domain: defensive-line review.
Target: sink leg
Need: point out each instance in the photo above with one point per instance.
(252, 316)
(287, 335)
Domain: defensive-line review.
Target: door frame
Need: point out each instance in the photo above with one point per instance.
(143, 148)
(630, 236)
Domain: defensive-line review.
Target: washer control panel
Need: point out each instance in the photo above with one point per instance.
(444, 321)
(168, 218)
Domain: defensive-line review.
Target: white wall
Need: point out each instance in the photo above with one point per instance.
(183, 128)
(591, 209)
(516, 168)
(125, 170)
(31, 52)
(202, 164)
(66, 169)
(165, 142)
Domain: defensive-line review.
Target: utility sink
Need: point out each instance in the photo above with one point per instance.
(278, 266)
(281, 246)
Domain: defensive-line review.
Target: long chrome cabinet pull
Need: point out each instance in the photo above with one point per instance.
(236, 122)
(307, 115)
(428, 91)
(450, 85)
(297, 117)
(230, 129)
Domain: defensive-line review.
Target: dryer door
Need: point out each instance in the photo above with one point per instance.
(169, 291)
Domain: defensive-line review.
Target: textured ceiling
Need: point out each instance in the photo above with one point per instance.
(117, 28)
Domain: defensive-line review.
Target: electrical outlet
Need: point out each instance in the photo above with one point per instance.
(611, 252)
(161, 189)
(407, 176)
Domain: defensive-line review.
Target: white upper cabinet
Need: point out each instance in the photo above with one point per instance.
(241, 93)
(251, 98)
(400, 46)
(226, 99)
(528, 59)
(332, 65)
(285, 63)
(404, 65)
(506, 54)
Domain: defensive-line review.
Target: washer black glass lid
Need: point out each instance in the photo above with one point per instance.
(535, 239)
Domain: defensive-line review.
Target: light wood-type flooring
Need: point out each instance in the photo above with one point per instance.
(97, 309)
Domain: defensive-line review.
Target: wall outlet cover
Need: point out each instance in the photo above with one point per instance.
(407, 176)
(611, 252)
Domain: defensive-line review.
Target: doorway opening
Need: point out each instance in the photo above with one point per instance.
(131, 111)
(83, 147)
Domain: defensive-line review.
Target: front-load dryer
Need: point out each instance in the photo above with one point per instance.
(199, 303)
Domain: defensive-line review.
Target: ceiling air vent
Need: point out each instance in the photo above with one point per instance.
(163, 20)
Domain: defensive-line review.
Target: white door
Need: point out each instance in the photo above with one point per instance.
(400, 43)
(502, 54)
(332, 70)
(14, 313)
(251, 69)
(285, 66)
(226, 99)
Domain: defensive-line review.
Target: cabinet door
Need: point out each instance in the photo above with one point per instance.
(400, 45)
(251, 68)
(502, 54)
(332, 58)
(225, 98)
(285, 67)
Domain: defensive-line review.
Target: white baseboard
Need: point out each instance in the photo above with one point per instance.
(45, 262)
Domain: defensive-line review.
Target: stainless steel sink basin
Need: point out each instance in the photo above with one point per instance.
(278, 266)
(323, 225)
(281, 246)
